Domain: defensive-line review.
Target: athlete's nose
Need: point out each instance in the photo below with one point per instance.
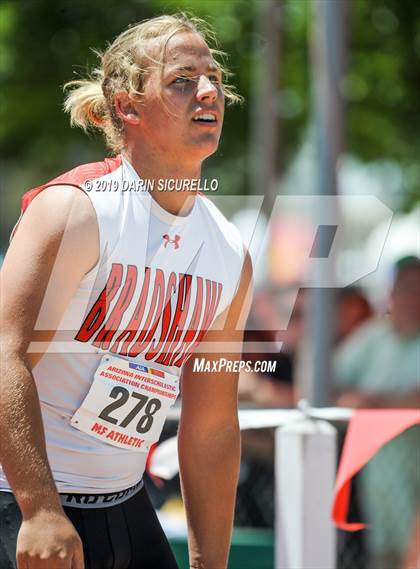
(206, 90)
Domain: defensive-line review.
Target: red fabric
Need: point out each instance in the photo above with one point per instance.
(369, 430)
(75, 177)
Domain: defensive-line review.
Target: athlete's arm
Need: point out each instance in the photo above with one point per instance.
(209, 439)
(55, 245)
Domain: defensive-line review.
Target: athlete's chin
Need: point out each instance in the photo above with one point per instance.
(205, 147)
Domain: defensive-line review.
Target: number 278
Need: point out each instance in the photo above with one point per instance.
(122, 395)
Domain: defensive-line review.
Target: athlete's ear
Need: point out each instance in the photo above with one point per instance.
(126, 108)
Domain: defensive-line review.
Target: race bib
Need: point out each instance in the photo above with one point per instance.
(127, 404)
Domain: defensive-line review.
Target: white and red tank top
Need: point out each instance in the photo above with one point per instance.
(160, 282)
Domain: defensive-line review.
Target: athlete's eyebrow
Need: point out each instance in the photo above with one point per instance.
(193, 69)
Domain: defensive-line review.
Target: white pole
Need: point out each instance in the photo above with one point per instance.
(305, 468)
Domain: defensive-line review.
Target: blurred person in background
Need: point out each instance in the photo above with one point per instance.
(353, 309)
(378, 367)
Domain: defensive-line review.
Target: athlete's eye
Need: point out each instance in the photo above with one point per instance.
(182, 80)
(214, 79)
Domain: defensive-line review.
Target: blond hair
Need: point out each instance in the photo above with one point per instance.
(123, 66)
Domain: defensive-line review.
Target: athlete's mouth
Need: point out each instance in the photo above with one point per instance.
(207, 117)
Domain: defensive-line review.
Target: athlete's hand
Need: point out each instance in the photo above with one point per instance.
(48, 540)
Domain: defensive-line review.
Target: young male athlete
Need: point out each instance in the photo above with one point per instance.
(107, 290)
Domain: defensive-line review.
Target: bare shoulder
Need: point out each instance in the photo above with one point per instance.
(57, 213)
(60, 218)
(60, 207)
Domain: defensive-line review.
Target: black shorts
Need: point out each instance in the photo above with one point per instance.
(125, 536)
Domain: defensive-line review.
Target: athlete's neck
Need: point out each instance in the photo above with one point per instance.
(152, 168)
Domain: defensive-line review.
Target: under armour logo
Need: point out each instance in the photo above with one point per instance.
(175, 241)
